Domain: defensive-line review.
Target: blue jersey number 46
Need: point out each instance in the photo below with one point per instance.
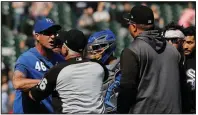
(40, 66)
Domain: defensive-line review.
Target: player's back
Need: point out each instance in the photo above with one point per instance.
(79, 87)
(158, 76)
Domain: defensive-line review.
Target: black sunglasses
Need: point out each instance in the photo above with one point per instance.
(49, 32)
(46, 33)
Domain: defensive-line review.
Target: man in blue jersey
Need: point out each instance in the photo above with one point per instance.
(32, 65)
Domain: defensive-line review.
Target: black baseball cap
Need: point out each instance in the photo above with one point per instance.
(74, 39)
(140, 15)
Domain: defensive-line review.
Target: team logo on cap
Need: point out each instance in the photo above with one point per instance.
(131, 16)
(49, 20)
(149, 21)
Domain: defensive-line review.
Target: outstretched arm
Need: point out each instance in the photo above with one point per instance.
(20, 82)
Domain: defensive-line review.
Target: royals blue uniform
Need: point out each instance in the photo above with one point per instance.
(110, 87)
(33, 65)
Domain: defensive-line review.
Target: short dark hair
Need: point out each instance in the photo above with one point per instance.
(173, 26)
(190, 31)
(145, 27)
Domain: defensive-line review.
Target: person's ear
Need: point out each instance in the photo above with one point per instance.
(37, 37)
(130, 27)
(134, 28)
(66, 48)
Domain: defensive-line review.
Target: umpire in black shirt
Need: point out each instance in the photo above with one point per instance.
(149, 68)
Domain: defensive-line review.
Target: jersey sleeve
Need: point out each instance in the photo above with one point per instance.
(47, 84)
(21, 65)
(128, 82)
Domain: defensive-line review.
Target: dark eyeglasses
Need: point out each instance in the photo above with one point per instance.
(48, 33)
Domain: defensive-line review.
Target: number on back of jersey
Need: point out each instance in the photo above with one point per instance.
(40, 66)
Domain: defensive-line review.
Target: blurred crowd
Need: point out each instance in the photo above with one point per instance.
(18, 20)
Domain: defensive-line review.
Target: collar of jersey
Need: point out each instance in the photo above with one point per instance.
(40, 57)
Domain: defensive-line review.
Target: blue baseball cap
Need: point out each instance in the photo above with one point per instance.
(45, 24)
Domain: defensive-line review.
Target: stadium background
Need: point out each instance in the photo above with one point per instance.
(18, 19)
